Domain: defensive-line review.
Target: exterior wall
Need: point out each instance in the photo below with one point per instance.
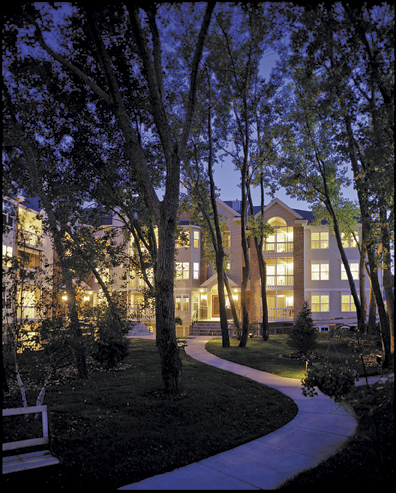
(299, 268)
(201, 292)
(335, 287)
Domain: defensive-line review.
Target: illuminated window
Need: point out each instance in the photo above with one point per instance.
(178, 302)
(320, 303)
(351, 243)
(226, 237)
(354, 271)
(196, 270)
(282, 238)
(320, 239)
(7, 254)
(196, 239)
(320, 272)
(347, 303)
(182, 270)
(186, 302)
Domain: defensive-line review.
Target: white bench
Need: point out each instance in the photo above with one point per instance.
(30, 460)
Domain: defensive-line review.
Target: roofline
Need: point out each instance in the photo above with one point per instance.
(282, 204)
(230, 209)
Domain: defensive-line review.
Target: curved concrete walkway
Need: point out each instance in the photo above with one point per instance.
(318, 430)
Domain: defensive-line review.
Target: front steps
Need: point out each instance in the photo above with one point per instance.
(207, 328)
(138, 329)
(211, 328)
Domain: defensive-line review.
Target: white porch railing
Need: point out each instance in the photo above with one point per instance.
(277, 314)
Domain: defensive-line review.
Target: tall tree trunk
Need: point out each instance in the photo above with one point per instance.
(351, 282)
(387, 281)
(372, 313)
(171, 365)
(246, 269)
(232, 304)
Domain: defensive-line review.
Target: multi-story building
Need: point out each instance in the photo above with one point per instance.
(25, 241)
(302, 260)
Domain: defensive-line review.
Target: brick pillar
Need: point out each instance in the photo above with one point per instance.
(299, 287)
(255, 290)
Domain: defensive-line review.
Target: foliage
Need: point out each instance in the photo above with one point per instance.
(111, 345)
(334, 380)
(303, 335)
(178, 321)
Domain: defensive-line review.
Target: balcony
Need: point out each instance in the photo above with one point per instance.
(280, 280)
(276, 314)
(278, 247)
(31, 240)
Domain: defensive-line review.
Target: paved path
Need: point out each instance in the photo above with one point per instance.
(318, 430)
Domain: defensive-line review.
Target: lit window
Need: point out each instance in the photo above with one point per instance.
(196, 239)
(320, 239)
(320, 303)
(347, 303)
(226, 238)
(351, 243)
(196, 270)
(186, 302)
(178, 302)
(354, 271)
(182, 270)
(320, 272)
(7, 254)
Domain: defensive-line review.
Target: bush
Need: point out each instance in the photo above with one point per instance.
(110, 345)
(334, 380)
(303, 336)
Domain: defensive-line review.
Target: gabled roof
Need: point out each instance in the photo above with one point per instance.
(294, 212)
(213, 280)
(227, 204)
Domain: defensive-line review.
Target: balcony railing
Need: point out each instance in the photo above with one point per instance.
(284, 247)
(137, 283)
(275, 314)
(274, 281)
(30, 239)
(136, 312)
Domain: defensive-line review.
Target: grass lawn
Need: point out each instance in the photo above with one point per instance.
(367, 459)
(116, 427)
(269, 355)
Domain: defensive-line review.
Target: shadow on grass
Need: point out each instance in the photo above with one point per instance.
(117, 427)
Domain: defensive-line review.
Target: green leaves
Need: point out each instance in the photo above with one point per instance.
(333, 380)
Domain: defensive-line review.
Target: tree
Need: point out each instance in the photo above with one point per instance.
(99, 55)
(303, 336)
(351, 51)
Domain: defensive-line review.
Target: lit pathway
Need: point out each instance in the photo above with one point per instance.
(318, 430)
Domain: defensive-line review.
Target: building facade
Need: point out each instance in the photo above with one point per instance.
(26, 250)
(302, 262)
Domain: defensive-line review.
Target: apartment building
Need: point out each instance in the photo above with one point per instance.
(23, 239)
(303, 263)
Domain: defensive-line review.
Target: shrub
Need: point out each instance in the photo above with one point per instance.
(303, 336)
(334, 380)
(110, 345)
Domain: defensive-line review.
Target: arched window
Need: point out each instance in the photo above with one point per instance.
(281, 240)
